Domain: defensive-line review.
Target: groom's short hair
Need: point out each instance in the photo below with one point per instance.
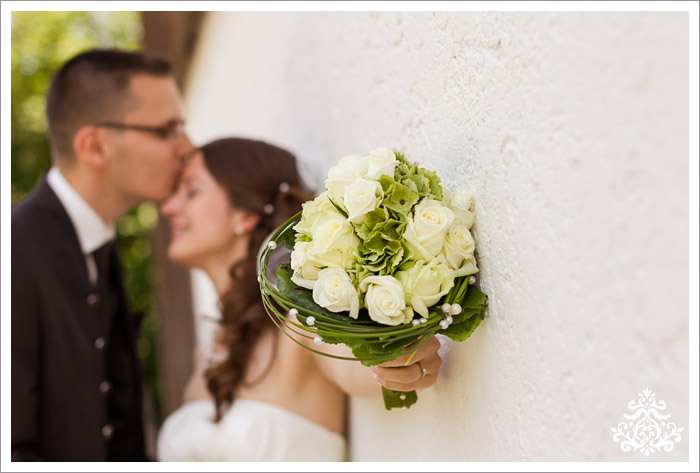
(93, 87)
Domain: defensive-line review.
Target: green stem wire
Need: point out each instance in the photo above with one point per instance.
(281, 322)
(357, 330)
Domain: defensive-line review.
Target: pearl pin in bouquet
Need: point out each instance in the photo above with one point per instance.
(381, 260)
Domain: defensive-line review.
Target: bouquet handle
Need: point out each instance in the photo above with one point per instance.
(398, 399)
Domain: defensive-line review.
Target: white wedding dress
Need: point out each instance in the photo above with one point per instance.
(249, 431)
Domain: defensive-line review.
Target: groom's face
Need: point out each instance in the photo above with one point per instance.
(145, 165)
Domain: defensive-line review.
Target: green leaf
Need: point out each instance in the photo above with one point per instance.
(461, 331)
(392, 399)
(474, 299)
(467, 313)
(473, 304)
(289, 238)
(361, 351)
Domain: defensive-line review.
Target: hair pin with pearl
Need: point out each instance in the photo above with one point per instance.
(269, 209)
(284, 187)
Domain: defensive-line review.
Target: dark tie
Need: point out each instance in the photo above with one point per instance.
(103, 261)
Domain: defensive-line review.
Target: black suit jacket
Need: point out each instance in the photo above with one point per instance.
(76, 385)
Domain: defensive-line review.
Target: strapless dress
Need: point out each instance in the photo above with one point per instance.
(249, 431)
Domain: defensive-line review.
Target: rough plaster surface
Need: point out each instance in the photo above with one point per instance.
(572, 130)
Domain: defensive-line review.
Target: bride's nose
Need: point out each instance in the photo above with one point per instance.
(170, 206)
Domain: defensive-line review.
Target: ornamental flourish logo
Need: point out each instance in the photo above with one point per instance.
(646, 429)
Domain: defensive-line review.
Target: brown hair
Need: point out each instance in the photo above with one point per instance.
(93, 87)
(263, 179)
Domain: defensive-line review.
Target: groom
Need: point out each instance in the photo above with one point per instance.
(116, 132)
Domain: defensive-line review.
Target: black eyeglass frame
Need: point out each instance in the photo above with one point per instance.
(172, 129)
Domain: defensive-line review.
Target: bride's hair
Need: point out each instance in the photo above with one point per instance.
(263, 179)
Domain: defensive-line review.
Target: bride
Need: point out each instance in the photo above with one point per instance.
(261, 397)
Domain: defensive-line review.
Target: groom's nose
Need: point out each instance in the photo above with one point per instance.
(184, 148)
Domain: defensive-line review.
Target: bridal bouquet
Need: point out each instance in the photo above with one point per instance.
(381, 260)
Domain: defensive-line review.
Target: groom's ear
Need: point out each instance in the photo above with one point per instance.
(89, 146)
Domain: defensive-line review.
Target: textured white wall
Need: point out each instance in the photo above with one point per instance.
(572, 130)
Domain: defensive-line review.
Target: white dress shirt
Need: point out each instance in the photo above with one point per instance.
(92, 231)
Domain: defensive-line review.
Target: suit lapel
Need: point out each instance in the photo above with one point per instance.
(66, 247)
(71, 260)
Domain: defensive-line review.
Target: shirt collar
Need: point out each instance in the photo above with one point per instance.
(92, 231)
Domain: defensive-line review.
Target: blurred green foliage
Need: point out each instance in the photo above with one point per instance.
(41, 42)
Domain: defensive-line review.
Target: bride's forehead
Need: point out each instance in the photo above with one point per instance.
(195, 166)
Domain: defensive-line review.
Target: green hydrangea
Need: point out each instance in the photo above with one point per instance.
(397, 196)
(380, 250)
(423, 182)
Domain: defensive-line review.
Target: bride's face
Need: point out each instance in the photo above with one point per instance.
(202, 220)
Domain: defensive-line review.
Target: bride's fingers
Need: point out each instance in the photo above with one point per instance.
(408, 374)
(420, 372)
(422, 383)
(417, 375)
(404, 375)
(428, 350)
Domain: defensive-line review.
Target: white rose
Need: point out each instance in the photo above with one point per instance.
(362, 196)
(331, 230)
(380, 161)
(298, 256)
(311, 211)
(347, 170)
(459, 250)
(384, 298)
(305, 269)
(425, 283)
(462, 204)
(425, 231)
(332, 241)
(468, 267)
(334, 291)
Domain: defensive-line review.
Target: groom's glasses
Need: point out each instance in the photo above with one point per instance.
(169, 131)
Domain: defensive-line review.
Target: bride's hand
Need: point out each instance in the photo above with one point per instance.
(421, 373)
(357, 380)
